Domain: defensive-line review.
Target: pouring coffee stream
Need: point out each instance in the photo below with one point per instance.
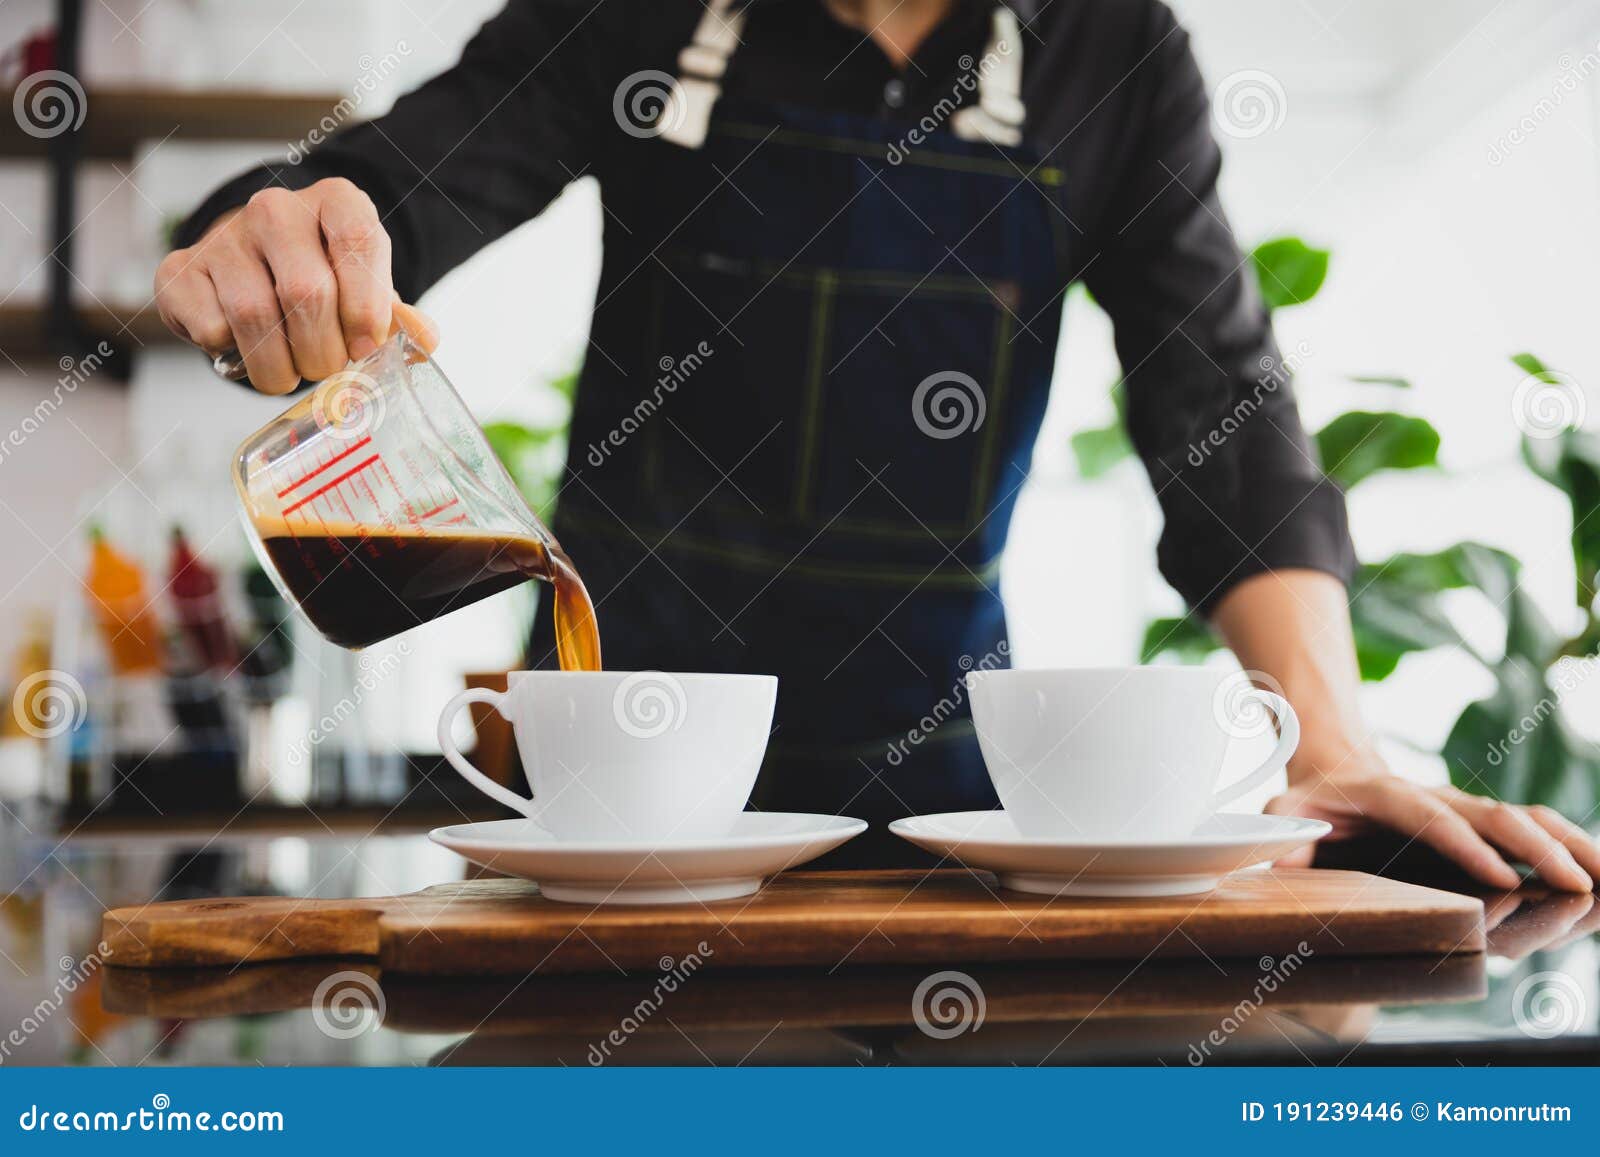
(377, 504)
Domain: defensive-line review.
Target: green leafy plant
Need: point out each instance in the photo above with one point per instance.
(535, 455)
(1515, 744)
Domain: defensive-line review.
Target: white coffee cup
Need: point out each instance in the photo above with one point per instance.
(641, 757)
(1124, 753)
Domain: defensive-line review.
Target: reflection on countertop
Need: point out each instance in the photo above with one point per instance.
(1532, 999)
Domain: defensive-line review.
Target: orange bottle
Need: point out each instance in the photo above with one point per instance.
(117, 599)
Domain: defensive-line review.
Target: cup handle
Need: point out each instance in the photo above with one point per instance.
(1288, 740)
(453, 756)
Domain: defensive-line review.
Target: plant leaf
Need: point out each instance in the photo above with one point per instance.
(532, 456)
(1395, 606)
(1487, 752)
(1381, 380)
(1529, 635)
(1097, 451)
(1358, 444)
(1289, 271)
(1189, 638)
(1100, 449)
(566, 385)
(1570, 462)
(1515, 746)
(1533, 367)
(1393, 616)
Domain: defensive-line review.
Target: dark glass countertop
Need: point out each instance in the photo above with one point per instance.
(1532, 999)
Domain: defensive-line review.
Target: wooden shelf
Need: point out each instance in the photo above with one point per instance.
(120, 119)
(25, 338)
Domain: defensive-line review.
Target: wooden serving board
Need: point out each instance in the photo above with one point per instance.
(758, 998)
(805, 919)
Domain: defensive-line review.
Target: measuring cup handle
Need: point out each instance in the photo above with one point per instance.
(453, 756)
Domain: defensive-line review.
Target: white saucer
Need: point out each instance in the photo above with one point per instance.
(1099, 867)
(759, 844)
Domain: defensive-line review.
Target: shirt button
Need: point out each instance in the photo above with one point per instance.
(894, 93)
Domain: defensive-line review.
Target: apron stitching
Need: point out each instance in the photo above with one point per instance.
(999, 374)
(889, 280)
(652, 435)
(821, 324)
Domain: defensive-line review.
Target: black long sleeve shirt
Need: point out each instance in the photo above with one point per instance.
(1114, 98)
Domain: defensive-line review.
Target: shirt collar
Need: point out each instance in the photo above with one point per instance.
(1026, 10)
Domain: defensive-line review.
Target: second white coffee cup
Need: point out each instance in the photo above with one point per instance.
(646, 756)
(1120, 753)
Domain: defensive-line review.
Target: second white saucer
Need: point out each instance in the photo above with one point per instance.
(988, 840)
(759, 844)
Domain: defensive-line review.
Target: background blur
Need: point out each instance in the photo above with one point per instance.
(1443, 154)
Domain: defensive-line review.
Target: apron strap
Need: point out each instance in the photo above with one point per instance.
(998, 115)
(686, 116)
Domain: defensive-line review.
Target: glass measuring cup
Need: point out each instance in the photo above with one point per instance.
(376, 504)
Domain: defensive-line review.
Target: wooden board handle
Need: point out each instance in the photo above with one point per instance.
(215, 932)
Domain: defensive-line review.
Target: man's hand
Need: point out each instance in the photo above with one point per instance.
(298, 281)
(1482, 835)
(1293, 628)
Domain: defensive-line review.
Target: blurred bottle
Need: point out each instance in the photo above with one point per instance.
(266, 643)
(195, 695)
(25, 715)
(264, 665)
(197, 603)
(121, 609)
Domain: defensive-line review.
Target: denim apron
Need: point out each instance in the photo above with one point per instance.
(821, 352)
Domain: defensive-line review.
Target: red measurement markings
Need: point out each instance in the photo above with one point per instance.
(342, 454)
(327, 486)
(439, 509)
